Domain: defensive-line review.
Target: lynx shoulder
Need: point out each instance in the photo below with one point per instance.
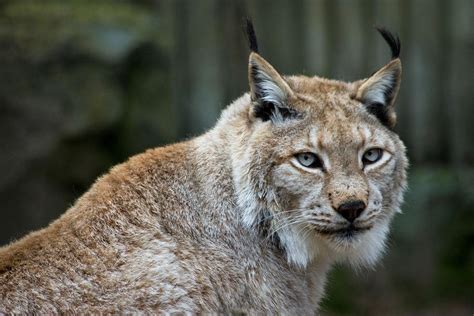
(299, 173)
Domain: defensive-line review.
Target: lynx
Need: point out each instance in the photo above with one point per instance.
(298, 174)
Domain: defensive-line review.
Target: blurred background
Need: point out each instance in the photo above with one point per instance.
(86, 84)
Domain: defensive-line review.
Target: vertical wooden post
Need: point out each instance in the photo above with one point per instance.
(459, 82)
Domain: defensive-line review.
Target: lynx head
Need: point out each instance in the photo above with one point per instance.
(319, 170)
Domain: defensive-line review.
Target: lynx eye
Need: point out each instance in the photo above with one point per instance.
(309, 160)
(372, 155)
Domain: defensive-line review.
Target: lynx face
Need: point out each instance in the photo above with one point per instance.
(320, 166)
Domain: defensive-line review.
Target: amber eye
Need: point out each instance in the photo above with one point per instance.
(371, 156)
(309, 160)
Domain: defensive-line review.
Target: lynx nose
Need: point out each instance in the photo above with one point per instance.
(350, 210)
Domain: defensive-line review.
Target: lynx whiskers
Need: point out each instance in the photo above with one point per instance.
(299, 173)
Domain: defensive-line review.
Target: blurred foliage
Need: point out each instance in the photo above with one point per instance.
(86, 84)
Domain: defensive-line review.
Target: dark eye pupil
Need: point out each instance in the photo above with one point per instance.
(309, 160)
(372, 155)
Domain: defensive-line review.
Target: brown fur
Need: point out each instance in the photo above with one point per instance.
(178, 228)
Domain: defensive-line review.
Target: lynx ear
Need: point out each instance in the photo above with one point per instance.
(379, 91)
(269, 91)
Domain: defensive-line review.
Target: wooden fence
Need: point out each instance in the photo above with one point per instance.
(336, 39)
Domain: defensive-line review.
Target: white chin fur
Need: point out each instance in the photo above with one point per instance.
(360, 251)
(363, 250)
(300, 245)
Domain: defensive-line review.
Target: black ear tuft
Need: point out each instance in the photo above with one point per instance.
(252, 38)
(392, 40)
